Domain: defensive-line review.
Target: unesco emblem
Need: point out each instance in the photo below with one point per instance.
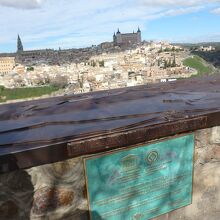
(129, 162)
(152, 157)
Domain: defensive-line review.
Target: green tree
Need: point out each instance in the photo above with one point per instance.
(169, 63)
(30, 68)
(174, 62)
(101, 63)
(158, 62)
(165, 64)
(93, 63)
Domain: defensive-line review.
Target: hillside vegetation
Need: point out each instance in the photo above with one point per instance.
(212, 57)
(198, 64)
(22, 93)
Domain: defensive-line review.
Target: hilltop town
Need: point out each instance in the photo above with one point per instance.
(127, 61)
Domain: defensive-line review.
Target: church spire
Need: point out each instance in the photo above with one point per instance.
(19, 44)
(139, 30)
(118, 32)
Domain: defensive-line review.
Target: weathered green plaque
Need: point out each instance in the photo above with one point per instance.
(142, 182)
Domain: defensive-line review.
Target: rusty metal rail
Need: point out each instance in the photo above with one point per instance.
(49, 130)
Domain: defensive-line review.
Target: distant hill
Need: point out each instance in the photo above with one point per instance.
(212, 57)
(197, 45)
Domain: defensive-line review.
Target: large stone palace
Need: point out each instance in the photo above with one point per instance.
(127, 39)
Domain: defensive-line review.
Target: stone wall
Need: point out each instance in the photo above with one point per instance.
(57, 191)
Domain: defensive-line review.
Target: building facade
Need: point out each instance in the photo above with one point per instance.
(7, 64)
(127, 39)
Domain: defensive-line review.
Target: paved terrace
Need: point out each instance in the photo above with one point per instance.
(49, 130)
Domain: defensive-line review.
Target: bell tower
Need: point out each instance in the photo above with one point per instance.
(19, 45)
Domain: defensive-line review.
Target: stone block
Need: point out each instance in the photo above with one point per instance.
(215, 135)
(216, 153)
(9, 210)
(49, 199)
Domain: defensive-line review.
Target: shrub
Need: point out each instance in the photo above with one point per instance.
(30, 68)
(2, 88)
(59, 81)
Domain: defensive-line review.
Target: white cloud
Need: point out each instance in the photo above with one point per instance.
(24, 4)
(177, 3)
(174, 12)
(72, 23)
(181, 11)
(216, 11)
(212, 37)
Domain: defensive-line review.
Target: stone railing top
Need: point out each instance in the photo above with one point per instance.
(49, 130)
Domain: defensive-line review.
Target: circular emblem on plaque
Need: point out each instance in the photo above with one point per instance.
(152, 157)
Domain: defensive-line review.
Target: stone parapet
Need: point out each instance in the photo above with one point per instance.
(58, 191)
(43, 144)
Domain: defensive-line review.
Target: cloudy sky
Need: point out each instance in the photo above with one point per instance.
(79, 23)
